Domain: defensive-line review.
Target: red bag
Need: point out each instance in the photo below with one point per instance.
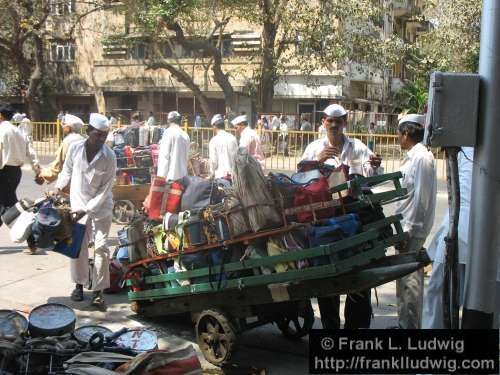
(174, 198)
(155, 151)
(129, 154)
(116, 275)
(314, 201)
(163, 362)
(163, 197)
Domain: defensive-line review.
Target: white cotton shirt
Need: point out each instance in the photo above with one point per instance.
(419, 178)
(437, 247)
(355, 154)
(13, 145)
(26, 129)
(91, 183)
(222, 150)
(173, 154)
(251, 141)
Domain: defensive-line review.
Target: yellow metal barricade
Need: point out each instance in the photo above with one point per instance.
(282, 151)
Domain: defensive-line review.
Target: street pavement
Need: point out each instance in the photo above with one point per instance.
(27, 281)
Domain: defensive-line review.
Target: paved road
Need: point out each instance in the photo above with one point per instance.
(27, 281)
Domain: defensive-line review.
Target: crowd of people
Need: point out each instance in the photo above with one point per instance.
(86, 167)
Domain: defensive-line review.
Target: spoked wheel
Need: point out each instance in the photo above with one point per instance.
(216, 336)
(123, 212)
(299, 325)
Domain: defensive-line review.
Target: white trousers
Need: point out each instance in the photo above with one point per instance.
(410, 291)
(97, 230)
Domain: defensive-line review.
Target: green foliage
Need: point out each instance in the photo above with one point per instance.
(453, 42)
(412, 97)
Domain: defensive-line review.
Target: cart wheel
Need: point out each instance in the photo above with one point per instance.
(300, 325)
(216, 336)
(123, 212)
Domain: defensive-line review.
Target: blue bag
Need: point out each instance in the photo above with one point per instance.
(71, 246)
(121, 159)
(332, 230)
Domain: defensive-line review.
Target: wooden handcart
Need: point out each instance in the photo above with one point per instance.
(231, 293)
(127, 201)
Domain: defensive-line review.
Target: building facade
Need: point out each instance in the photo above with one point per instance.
(97, 72)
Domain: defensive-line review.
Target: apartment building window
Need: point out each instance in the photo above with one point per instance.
(139, 51)
(61, 7)
(62, 51)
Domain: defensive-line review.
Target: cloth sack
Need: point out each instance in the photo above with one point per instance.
(21, 229)
(142, 158)
(251, 188)
(283, 189)
(164, 362)
(275, 246)
(71, 246)
(131, 136)
(198, 193)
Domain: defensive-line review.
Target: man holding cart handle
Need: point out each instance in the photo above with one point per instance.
(90, 169)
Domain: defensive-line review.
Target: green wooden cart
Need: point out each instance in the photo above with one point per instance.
(225, 307)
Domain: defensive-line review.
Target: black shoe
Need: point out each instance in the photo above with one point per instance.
(77, 293)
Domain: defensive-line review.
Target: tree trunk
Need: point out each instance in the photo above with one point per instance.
(268, 72)
(33, 91)
(206, 46)
(184, 78)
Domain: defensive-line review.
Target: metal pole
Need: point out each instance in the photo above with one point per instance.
(480, 281)
(450, 290)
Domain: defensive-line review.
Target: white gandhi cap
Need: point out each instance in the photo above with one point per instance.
(99, 122)
(239, 119)
(216, 119)
(334, 110)
(72, 121)
(174, 116)
(412, 117)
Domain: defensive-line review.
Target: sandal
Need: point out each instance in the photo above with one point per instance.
(98, 300)
(77, 294)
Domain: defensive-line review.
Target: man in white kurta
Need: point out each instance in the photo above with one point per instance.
(26, 128)
(249, 138)
(174, 150)
(419, 178)
(222, 149)
(71, 126)
(13, 152)
(336, 149)
(90, 169)
(352, 153)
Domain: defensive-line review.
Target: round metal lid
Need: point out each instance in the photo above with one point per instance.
(12, 324)
(84, 333)
(52, 316)
(139, 340)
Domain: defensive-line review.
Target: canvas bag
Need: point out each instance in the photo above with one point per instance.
(162, 197)
(71, 246)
